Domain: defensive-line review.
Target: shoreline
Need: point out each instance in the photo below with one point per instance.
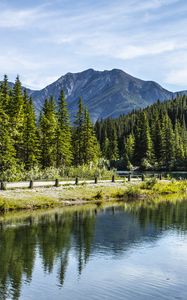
(51, 197)
(45, 197)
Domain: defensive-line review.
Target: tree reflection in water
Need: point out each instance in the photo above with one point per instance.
(53, 235)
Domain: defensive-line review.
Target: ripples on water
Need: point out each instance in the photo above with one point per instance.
(119, 252)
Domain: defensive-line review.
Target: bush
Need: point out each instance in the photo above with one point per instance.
(145, 164)
(13, 174)
(18, 173)
(149, 184)
(171, 187)
(99, 195)
(133, 191)
(86, 171)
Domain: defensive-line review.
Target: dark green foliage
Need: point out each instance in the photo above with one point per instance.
(64, 146)
(31, 150)
(48, 125)
(26, 144)
(155, 137)
(7, 150)
(158, 136)
(78, 131)
(85, 144)
(5, 94)
(16, 115)
(90, 143)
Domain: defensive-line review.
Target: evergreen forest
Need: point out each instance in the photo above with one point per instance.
(47, 140)
(150, 138)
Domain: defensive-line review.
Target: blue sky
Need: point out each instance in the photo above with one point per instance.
(42, 40)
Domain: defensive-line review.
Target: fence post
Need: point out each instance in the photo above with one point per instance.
(76, 180)
(31, 184)
(96, 179)
(129, 177)
(143, 177)
(3, 185)
(57, 183)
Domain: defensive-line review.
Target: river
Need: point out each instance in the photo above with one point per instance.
(119, 251)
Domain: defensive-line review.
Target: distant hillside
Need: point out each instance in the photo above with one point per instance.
(105, 93)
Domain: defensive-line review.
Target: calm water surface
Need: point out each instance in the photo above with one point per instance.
(133, 251)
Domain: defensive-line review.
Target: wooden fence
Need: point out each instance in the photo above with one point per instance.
(77, 181)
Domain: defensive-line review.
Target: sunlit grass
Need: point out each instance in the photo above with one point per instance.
(148, 190)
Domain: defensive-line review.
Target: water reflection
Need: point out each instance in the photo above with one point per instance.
(56, 237)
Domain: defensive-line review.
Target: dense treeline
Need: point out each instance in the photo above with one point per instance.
(154, 137)
(47, 141)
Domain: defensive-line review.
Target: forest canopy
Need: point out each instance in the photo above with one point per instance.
(150, 138)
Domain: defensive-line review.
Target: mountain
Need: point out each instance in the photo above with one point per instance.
(29, 91)
(105, 93)
(180, 93)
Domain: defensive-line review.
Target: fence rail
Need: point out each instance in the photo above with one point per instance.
(77, 181)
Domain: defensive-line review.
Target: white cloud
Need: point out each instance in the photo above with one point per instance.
(22, 18)
(131, 51)
(68, 36)
(15, 61)
(153, 4)
(177, 77)
(38, 82)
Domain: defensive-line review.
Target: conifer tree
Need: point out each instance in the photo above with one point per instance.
(5, 93)
(16, 113)
(113, 151)
(143, 147)
(179, 143)
(31, 153)
(78, 135)
(105, 148)
(7, 151)
(90, 143)
(168, 147)
(129, 147)
(63, 141)
(48, 129)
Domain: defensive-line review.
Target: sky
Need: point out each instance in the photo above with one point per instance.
(41, 40)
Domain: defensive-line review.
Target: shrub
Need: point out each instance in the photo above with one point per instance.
(133, 191)
(149, 184)
(145, 164)
(99, 195)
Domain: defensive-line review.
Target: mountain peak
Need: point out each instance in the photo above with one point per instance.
(108, 93)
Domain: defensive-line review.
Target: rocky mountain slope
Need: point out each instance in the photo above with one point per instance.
(105, 93)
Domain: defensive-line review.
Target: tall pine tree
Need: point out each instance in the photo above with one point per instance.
(31, 151)
(63, 142)
(78, 135)
(16, 113)
(91, 147)
(48, 129)
(7, 150)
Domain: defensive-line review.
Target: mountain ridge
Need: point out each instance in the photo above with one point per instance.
(107, 93)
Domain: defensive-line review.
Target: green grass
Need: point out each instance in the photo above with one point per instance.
(7, 204)
(164, 187)
(54, 197)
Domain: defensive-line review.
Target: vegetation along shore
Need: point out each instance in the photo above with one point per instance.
(91, 193)
(47, 144)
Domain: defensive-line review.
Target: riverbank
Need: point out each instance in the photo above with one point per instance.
(76, 195)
